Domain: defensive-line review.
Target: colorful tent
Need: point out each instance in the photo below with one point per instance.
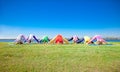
(31, 37)
(80, 40)
(44, 39)
(74, 38)
(20, 39)
(99, 39)
(86, 39)
(59, 40)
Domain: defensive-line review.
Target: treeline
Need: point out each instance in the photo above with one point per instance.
(112, 38)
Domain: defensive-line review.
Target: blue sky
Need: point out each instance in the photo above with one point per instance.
(67, 17)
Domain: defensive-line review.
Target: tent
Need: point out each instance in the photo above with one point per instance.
(59, 39)
(44, 39)
(74, 39)
(20, 39)
(99, 39)
(31, 37)
(86, 39)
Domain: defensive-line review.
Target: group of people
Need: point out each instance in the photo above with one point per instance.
(59, 39)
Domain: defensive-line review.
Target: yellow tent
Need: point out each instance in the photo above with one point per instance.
(86, 39)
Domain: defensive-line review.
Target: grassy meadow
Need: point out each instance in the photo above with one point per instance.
(59, 58)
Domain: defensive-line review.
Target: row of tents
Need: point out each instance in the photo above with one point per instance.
(59, 39)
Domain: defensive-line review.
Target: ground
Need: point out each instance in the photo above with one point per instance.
(59, 58)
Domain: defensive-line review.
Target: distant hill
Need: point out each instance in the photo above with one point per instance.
(112, 38)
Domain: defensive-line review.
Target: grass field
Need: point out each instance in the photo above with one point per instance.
(59, 58)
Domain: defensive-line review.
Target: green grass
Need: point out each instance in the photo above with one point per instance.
(59, 58)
